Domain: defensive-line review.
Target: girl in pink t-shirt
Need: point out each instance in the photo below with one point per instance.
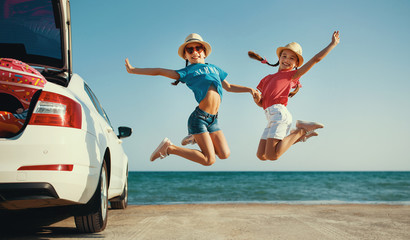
(275, 90)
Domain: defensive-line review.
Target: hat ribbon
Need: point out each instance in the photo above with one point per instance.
(192, 39)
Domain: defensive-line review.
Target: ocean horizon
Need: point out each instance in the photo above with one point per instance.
(280, 187)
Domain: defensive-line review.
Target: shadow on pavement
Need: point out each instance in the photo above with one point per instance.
(35, 224)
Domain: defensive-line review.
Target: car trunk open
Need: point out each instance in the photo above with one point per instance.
(37, 34)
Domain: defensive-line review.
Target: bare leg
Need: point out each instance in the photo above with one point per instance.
(205, 157)
(261, 150)
(272, 149)
(220, 144)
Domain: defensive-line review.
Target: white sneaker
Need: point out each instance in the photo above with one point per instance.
(308, 126)
(307, 136)
(188, 140)
(162, 150)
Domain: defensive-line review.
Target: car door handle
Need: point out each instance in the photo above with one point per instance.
(109, 130)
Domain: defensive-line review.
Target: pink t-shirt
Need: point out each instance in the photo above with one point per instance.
(275, 88)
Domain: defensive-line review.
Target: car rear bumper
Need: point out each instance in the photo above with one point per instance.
(24, 191)
(28, 195)
(45, 188)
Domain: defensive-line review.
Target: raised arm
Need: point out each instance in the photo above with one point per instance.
(151, 71)
(318, 57)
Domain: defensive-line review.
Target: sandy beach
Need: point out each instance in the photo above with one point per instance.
(239, 221)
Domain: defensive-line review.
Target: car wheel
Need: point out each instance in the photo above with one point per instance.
(123, 200)
(97, 207)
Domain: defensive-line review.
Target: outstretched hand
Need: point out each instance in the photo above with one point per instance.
(128, 66)
(256, 96)
(335, 38)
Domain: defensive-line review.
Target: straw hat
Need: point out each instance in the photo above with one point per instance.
(294, 47)
(194, 38)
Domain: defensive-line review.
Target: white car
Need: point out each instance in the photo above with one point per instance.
(66, 152)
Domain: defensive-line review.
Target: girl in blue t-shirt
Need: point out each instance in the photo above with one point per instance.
(206, 81)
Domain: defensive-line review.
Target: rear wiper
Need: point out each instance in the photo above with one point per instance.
(49, 72)
(55, 76)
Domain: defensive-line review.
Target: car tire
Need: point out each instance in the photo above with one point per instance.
(97, 208)
(122, 203)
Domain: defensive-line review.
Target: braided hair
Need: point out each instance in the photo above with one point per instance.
(257, 57)
(177, 81)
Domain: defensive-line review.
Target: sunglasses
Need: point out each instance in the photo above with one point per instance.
(190, 50)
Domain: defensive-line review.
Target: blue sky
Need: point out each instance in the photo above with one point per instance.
(359, 91)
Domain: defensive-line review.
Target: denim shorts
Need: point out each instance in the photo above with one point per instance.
(279, 122)
(201, 121)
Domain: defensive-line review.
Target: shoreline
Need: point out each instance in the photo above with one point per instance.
(302, 203)
(242, 221)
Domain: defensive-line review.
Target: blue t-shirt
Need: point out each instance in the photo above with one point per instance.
(199, 77)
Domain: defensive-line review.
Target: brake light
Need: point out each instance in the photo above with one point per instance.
(56, 167)
(53, 109)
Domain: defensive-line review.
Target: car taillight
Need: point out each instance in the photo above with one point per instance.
(53, 109)
(56, 167)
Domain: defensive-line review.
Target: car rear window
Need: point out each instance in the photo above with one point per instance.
(30, 31)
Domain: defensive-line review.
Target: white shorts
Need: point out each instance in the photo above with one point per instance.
(279, 122)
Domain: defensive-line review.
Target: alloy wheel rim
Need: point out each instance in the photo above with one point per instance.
(104, 195)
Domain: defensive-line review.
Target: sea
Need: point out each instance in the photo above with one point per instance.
(158, 188)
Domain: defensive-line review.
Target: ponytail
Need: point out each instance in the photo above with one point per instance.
(257, 57)
(177, 81)
(293, 93)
